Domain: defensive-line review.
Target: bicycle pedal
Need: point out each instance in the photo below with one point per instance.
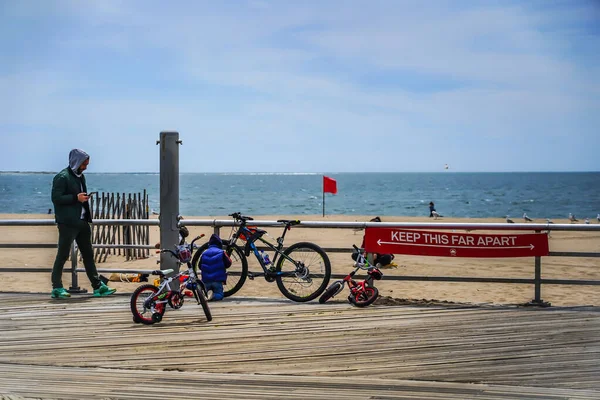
(250, 276)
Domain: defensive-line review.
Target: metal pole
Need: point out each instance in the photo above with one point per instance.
(169, 199)
(537, 301)
(538, 278)
(74, 282)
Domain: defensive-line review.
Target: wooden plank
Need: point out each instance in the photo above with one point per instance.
(146, 228)
(77, 383)
(119, 215)
(317, 350)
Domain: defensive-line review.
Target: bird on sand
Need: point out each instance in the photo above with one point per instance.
(572, 218)
(549, 221)
(526, 218)
(510, 221)
(435, 214)
(587, 220)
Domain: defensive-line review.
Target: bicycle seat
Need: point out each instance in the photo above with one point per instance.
(289, 221)
(162, 272)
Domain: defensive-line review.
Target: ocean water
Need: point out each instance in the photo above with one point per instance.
(474, 195)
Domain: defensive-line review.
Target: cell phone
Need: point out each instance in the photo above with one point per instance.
(90, 194)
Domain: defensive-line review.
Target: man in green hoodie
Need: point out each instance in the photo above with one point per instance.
(73, 218)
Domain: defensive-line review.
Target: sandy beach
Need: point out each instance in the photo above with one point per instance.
(477, 293)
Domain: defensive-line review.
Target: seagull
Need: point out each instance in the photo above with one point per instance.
(587, 220)
(549, 221)
(436, 214)
(357, 230)
(598, 217)
(510, 221)
(526, 218)
(572, 218)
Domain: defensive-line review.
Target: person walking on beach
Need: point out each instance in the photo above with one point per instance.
(73, 219)
(431, 209)
(213, 265)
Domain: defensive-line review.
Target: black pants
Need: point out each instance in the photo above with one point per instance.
(384, 259)
(82, 234)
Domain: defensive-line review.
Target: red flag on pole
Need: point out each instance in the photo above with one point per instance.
(329, 185)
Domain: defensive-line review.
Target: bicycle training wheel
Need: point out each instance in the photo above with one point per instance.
(236, 274)
(307, 275)
(331, 291)
(139, 311)
(364, 297)
(199, 293)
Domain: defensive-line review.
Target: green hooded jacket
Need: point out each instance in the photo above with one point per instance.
(65, 188)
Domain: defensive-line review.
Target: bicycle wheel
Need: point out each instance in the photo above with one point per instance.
(307, 276)
(236, 274)
(364, 297)
(142, 313)
(331, 291)
(199, 293)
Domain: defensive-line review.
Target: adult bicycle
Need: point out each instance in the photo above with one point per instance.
(301, 271)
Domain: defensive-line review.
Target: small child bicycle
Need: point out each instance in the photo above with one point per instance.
(362, 293)
(149, 303)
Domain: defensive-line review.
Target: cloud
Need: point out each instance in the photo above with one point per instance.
(308, 80)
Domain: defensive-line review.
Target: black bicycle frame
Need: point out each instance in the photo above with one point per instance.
(243, 229)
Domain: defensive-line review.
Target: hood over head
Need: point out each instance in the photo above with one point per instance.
(76, 158)
(215, 240)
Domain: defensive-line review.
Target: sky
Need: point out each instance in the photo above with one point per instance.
(302, 86)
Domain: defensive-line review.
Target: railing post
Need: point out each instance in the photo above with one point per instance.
(74, 282)
(537, 301)
(538, 278)
(169, 199)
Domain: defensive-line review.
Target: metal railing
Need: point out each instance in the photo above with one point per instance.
(74, 270)
(537, 281)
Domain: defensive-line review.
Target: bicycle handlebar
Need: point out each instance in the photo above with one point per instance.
(243, 218)
(170, 251)
(196, 238)
(361, 253)
(191, 247)
(239, 217)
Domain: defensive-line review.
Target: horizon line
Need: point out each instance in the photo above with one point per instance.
(305, 173)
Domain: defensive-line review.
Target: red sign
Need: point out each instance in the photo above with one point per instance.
(450, 244)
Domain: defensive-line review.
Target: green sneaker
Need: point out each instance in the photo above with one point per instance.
(103, 290)
(60, 293)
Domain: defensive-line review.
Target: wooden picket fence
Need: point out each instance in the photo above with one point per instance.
(120, 206)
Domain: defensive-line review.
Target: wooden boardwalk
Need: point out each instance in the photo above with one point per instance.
(86, 347)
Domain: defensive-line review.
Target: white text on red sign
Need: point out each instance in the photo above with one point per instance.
(454, 240)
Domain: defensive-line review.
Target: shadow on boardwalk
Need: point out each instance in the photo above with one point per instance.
(87, 347)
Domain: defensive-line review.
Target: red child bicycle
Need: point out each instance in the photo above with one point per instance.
(362, 293)
(148, 302)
